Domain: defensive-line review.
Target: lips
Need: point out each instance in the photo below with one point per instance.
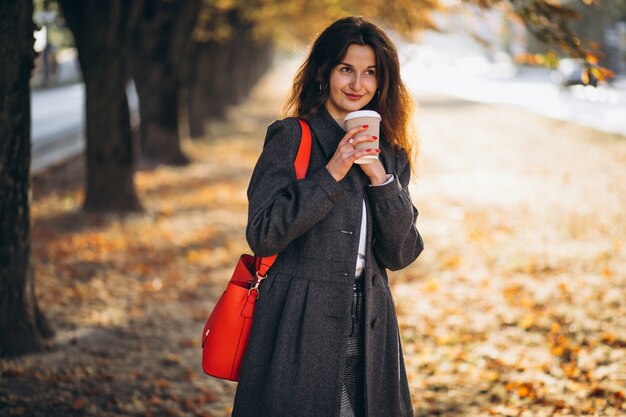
(353, 97)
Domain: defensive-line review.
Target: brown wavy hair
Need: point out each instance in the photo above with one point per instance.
(392, 100)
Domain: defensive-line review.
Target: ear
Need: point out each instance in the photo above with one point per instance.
(319, 75)
(319, 78)
(320, 84)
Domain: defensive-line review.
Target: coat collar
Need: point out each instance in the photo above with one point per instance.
(327, 131)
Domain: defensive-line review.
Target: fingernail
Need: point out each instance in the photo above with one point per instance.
(366, 126)
(377, 150)
(368, 150)
(374, 137)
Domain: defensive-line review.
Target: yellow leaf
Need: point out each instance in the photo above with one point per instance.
(557, 350)
(527, 302)
(527, 322)
(608, 338)
(452, 262)
(443, 339)
(512, 292)
(523, 391)
(431, 286)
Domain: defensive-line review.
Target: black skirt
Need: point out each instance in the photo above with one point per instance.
(352, 395)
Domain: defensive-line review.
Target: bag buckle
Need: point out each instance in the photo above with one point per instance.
(257, 282)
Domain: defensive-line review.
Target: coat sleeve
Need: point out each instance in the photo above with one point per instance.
(282, 208)
(397, 242)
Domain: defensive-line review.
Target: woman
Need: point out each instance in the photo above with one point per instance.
(325, 340)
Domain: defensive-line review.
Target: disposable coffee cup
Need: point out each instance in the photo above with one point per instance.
(372, 120)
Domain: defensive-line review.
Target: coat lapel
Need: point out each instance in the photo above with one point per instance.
(326, 131)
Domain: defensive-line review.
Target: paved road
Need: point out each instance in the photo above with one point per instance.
(58, 123)
(450, 65)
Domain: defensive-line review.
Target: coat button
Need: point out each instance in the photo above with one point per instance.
(374, 280)
(373, 323)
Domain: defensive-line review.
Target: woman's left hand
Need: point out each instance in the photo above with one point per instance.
(375, 171)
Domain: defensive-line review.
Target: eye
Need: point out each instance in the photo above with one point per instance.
(370, 72)
(345, 69)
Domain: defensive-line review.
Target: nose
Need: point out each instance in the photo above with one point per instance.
(356, 82)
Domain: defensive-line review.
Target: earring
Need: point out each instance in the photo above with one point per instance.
(320, 88)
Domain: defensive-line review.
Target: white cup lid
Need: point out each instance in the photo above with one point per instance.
(361, 113)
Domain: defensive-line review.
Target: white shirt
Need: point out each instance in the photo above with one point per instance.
(360, 259)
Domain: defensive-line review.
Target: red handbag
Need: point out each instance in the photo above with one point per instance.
(226, 332)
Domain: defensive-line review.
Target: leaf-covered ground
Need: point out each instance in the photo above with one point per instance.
(516, 308)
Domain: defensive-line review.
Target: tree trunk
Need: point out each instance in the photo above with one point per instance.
(210, 92)
(161, 40)
(157, 88)
(110, 150)
(22, 326)
(221, 83)
(101, 31)
(248, 71)
(225, 73)
(247, 67)
(202, 97)
(187, 48)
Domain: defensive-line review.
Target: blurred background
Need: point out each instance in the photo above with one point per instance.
(485, 52)
(129, 133)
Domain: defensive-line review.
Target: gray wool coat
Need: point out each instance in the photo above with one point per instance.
(294, 362)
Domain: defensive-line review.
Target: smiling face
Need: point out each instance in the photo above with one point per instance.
(353, 81)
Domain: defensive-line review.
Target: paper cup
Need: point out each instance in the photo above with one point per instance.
(372, 119)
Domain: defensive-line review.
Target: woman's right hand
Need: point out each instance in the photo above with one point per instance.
(346, 154)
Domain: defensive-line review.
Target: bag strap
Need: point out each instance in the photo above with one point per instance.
(301, 164)
(303, 156)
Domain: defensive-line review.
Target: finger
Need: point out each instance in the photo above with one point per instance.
(359, 153)
(356, 140)
(351, 133)
(363, 139)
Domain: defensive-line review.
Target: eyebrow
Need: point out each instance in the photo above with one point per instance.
(351, 66)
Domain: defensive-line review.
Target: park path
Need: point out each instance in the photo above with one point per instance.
(515, 308)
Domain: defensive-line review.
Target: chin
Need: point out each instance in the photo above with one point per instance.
(355, 106)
